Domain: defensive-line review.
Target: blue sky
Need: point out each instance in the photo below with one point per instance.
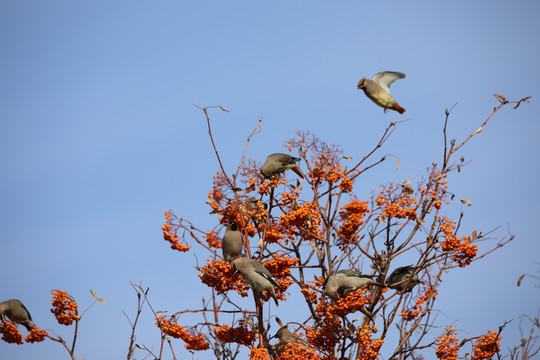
(98, 137)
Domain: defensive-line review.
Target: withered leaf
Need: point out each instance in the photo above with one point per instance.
(519, 280)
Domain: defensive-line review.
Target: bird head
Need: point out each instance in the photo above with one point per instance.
(362, 84)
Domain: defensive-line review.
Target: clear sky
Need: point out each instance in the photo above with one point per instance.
(98, 137)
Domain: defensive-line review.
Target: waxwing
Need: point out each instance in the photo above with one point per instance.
(16, 312)
(256, 275)
(278, 163)
(401, 279)
(232, 242)
(378, 89)
(347, 280)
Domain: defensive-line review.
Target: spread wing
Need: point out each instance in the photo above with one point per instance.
(386, 78)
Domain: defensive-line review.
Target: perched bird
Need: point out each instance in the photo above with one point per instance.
(378, 89)
(401, 279)
(286, 336)
(232, 242)
(347, 280)
(278, 163)
(16, 312)
(256, 275)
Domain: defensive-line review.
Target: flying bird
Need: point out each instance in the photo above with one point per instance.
(278, 163)
(402, 279)
(16, 312)
(232, 242)
(347, 280)
(256, 275)
(378, 89)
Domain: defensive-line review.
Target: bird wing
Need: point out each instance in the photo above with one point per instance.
(261, 270)
(355, 273)
(24, 307)
(386, 78)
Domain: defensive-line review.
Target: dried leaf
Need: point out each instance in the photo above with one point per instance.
(260, 243)
(236, 189)
(93, 294)
(465, 201)
(462, 159)
(398, 163)
(160, 312)
(347, 157)
(101, 301)
(519, 280)
(278, 320)
(474, 236)
(406, 182)
(215, 211)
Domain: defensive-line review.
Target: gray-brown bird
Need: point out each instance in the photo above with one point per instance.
(347, 280)
(256, 275)
(16, 312)
(378, 89)
(278, 163)
(232, 242)
(402, 279)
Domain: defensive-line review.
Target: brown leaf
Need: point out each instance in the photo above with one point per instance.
(249, 188)
(398, 163)
(406, 182)
(93, 294)
(101, 301)
(347, 157)
(519, 280)
(474, 236)
(478, 131)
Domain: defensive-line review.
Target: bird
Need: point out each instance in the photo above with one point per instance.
(378, 89)
(256, 275)
(16, 312)
(286, 336)
(347, 280)
(232, 242)
(401, 279)
(278, 163)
